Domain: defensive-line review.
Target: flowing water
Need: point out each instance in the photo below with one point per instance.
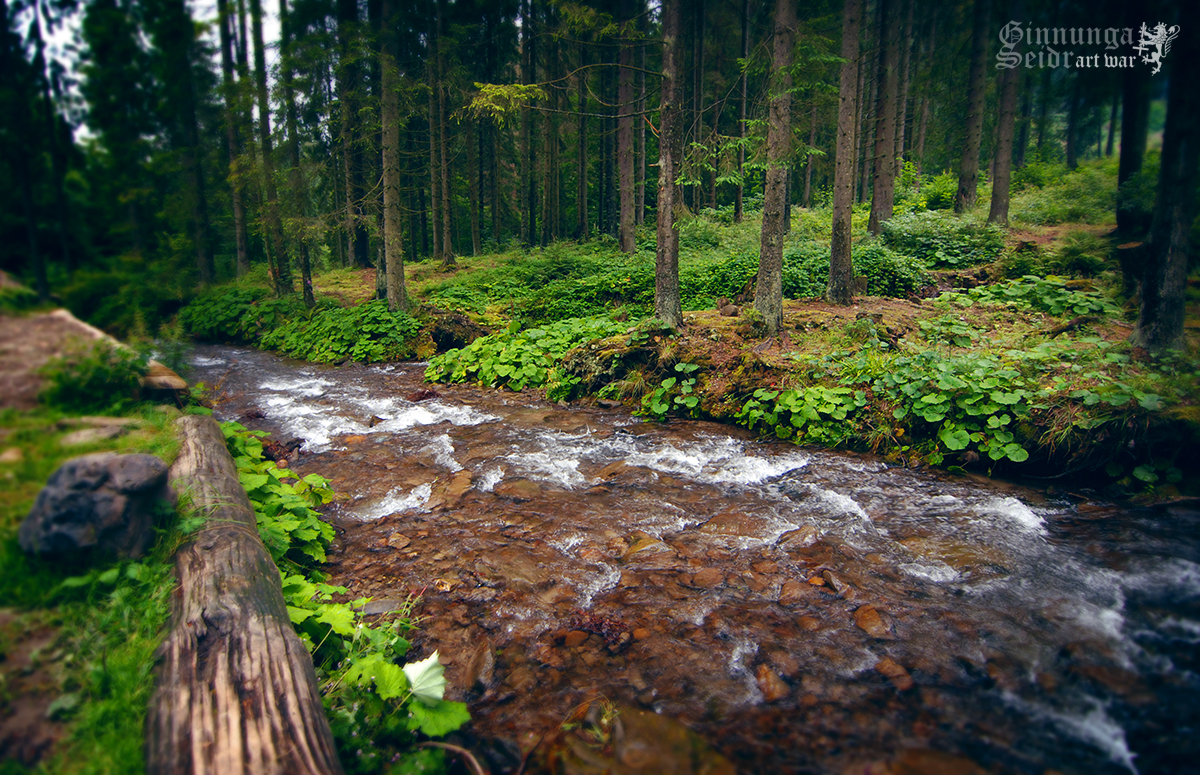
(804, 611)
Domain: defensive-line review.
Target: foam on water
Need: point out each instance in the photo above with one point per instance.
(305, 385)
(490, 477)
(548, 467)
(716, 461)
(442, 449)
(1092, 725)
(1013, 512)
(404, 417)
(588, 587)
(938, 572)
(397, 500)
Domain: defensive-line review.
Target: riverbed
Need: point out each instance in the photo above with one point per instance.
(801, 610)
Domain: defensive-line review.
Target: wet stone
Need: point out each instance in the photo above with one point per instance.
(770, 684)
(518, 489)
(398, 540)
(809, 623)
(791, 593)
(708, 578)
(575, 638)
(895, 672)
(798, 539)
(784, 662)
(870, 622)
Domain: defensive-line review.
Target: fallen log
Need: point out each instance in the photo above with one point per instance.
(236, 693)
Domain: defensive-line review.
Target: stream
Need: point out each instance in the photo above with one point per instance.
(801, 610)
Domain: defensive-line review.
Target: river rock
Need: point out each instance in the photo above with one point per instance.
(575, 638)
(799, 538)
(518, 489)
(708, 578)
(870, 622)
(791, 592)
(398, 540)
(103, 503)
(809, 623)
(895, 672)
(770, 684)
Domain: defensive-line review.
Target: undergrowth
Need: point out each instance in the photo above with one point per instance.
(379, 710)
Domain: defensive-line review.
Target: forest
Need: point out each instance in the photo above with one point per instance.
(955, 240)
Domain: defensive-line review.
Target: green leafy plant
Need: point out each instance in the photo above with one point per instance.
(816, 413)
(943, 240)
(368, 332)
(517, 359)
(1044, 294)
(93, 378)
(675, 393)
(377, 708)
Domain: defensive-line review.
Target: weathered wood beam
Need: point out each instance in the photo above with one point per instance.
(236, 693)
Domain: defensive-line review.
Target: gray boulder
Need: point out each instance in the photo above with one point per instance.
(102, 504)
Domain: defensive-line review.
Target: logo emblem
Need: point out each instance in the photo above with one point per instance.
(1160, 40)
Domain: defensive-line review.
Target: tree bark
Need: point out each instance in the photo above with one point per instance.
(233, 139)
(768, 288)
(841, 269)
(639, 151)
(393, 236)
(1026, 117)
(968, 170)
(582, 229)
(435, 167)
(1135, 115)
(235, 693)
(1004, 147)
(625, 226)
(808, 165)
(1073, 126)
(444, 144)
(474, 184)
(349, 84)
(884, 189)
(1164, 279)
(57, 160)
(666, 262)
(281, 272)
(868, 84)
(906, 46)
(528, 154)
(741, 187)
(295, 174)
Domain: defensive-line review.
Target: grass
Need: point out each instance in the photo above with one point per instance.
(105, 623)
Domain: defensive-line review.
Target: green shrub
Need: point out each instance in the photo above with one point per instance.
(16, 298)
(368, 332)
(1081, 253)
(1044, 294)
(227, 313)
(939, 192)
(1136, 195)
(888, 273)
(1019, 263)
(943, 240)
(516, 358)
(1037, 174)
(98, 378)
(1087, 195)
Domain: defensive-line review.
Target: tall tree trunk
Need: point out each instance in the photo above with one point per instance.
(741, 187)
(349, 86)
(281, 272)
(528, 154)
(1073, 126)
(808, 166)
(393, 236)
(1026, 117)
(435, 166)
(233, 139)
(295, 174)
(1043, 109)
(906, 46)
(1135, 115)
(841, 269)
(639, 160)
(57, 160)
(625, 227)
(868, 86)
(926, 99)
(444, 145)
(582, 229)
(768, 289)
(1112, 125)
(1004, 146)
(666, 261)
(968, 169)
(1164, 279)
(884, 189)
(474, 185)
